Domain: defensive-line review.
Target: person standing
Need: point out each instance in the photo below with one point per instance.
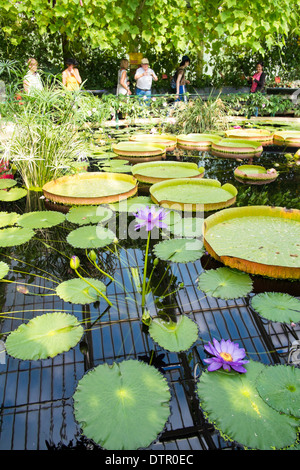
(123, 82)
(144, 76)
(32, 81)
(70, 77)
(257, 82)
(181, 81)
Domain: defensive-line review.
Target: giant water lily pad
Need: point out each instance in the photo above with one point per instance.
(90, 236)
(154, 172)
(78, 291)
(84, 215)
(256, 239)
(170, 141)
(41, 219)
(91, 188)
(139, 149)
(188, 227)
(236, 148)
(231, 402)
(132, 204)
(179, 250)
(13, 194)
(279, 387)
(255, 174)
(191, 194)
(174, 336)
(44, 336)
(288, 138)
(14, 236)
(197, 141)
(8, 218)
(225, 283)
(263, 136)
(123, 406)
(277, 307)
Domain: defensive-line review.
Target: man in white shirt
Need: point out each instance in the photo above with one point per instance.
(144, 76)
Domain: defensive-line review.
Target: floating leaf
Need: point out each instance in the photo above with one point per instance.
(277, 307)
(7, 183)
(44, 336)
(225, 283)
(15, 236)
(90, 236)
(132, 204)
(4, 268)
(179, 250)
(123, 406)
(8, 218)
(41, 219)
(77, 291)
(231, 402)
(279, 387)
(188, 227)
(13, 194)
(84, 215)
(174, 336)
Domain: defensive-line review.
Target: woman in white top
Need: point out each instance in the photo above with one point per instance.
(32, 80)
(123, 83)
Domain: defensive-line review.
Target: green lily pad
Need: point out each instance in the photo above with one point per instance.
(44, 336)
(231, 402)
(123, 406)
(77, 291)
(132, 204)
(8, 218)
(83, 215)
(179, 250)
(279, 387)
(277, 307)
(7, 183)
(90, 236)
(15, 236)
(174, 336)
(225, 283)
(41, 219)
(189, 227)
(4, 268)
(13, 194)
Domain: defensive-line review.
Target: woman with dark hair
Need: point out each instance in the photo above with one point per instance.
(257, 82)
(123, 83)
(70, 77)
(181, 81)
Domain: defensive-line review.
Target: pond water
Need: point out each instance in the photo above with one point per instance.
(37, 396)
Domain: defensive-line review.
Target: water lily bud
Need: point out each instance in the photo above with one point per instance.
(116, 240)
(93, 255)
(155, 262)
(74, 262)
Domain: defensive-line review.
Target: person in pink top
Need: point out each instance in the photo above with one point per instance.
(257, 82)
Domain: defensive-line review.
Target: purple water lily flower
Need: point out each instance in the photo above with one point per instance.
(227, 355)
(150, 217)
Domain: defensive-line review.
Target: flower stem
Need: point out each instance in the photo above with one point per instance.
(97, 290)
(145, 270)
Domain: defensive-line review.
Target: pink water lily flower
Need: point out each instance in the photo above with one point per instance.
(150, 217)
(227, 355)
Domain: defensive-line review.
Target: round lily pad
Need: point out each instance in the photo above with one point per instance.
(15, 236)
(4, 268)
(12, 194)
(77, 291)
(123, 406)
(154, 172)
(8, 218)
(41, 219)
(225, 283)
(84, 215)
(7, 183)
(231, 402)
(277, 307)
(132, 204)
(236, 148)
(174, 336)
(44, 336)
(179, 250)
(90, 236)
(279, 387)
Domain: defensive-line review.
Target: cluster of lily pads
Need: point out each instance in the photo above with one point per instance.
(108, 394)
